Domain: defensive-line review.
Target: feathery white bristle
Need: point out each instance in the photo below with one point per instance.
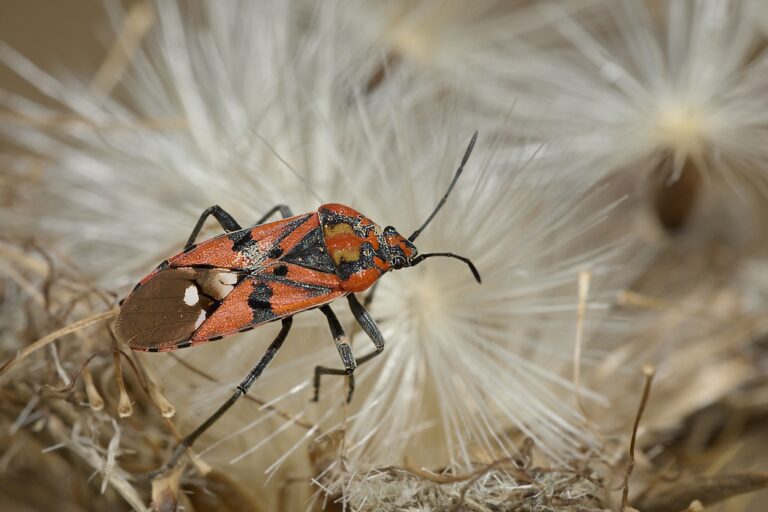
(253, 106)
(685, 81)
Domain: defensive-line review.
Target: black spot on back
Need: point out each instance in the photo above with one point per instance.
(240, 239)
(259, 302)
(184, 344)
(364, 262)
(260, 296)
(310, 253)
(275, 252)
(281, 270)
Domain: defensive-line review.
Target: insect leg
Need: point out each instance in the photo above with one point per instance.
(345, 351)
(240, 391)
(226, 220)
(368, 325)
(284, 211)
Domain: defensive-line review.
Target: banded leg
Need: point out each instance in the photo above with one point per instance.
(240, 391)
(366, 322)
(225, 219)
(345, 351)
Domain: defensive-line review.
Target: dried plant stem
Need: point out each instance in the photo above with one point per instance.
(124, 406)
(631, 298)
(648, 372)
(585, 277)
(25, 285)
(167, 411)
(23, 259)
(153, 388)
(61, 434)
(140, 19)
(517, 472)
(51, 390)
(452, 479)
(704, 490)
(94, 398)
(50, 338)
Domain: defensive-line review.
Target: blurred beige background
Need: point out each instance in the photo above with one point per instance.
(54, 35)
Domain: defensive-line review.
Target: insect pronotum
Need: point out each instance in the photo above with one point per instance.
(271, 271)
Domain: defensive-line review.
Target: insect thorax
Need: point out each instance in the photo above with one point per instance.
(355, 245)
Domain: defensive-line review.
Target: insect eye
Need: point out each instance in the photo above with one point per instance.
(398, 262)
(390, 230)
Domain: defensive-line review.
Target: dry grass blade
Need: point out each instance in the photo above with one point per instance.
(648, 372)
(50, 338)
(585, 278)
(140, 19)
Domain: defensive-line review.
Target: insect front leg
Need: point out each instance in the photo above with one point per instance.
(370, 328)
(368, 325)
(225, 219)
(345, 351)
(240, 391)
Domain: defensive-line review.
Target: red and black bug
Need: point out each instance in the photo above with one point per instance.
(248, 277)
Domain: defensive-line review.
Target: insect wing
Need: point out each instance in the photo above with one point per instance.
(279, 291)
(170, 306)
(274, 270)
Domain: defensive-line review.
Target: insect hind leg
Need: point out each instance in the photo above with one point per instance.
(285, 212)
(240, 391)
(225, 220)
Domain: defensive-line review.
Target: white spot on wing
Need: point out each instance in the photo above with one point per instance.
(227, 278)
(200, 319)
(218, 283)
(190, 295)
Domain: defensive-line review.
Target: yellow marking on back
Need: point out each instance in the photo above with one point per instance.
(338, 229)
(350, 254)
(336, 235)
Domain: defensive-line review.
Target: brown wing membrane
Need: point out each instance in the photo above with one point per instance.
(167, 309)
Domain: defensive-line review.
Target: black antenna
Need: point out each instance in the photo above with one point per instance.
(421, 257)
(447, 193)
